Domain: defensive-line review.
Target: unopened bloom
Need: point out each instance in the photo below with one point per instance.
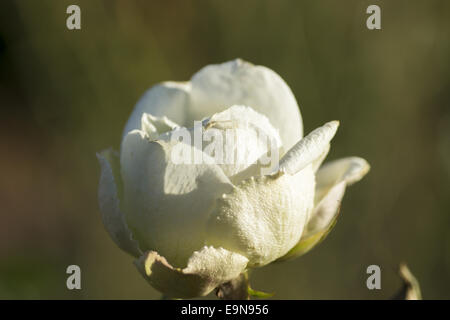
(193, 225)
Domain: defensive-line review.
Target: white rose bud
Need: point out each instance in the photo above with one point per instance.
(199, 203)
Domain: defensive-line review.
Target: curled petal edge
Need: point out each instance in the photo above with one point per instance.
(206, 269)
(154, 126)
(349, 170)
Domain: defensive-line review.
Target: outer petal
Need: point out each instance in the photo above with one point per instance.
(331, 180)
(308, 149)
(236, 82)
(108, 196)
(263, 218)
(318, 162)
(168, 204)
(206, 269)
(170, 99)
(326, 210)
(322, 221)
(350, 170)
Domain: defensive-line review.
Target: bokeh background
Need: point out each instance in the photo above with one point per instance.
(65, 95)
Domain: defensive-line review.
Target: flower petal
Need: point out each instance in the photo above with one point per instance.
(168, 204)
(263, 217)
(321, 223)
(308, 149)
(108, 195)
(206, 269)
(170, 99)
(318, 162)
(247, 137)
(236, 82)
(331, 179)
(350, 170)
(216, 87)
(326, 210)
(154, 126)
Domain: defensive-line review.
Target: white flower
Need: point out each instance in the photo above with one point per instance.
(193, 226)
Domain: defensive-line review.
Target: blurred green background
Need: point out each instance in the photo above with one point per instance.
(65, 95)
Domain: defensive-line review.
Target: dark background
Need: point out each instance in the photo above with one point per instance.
(65, 95)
